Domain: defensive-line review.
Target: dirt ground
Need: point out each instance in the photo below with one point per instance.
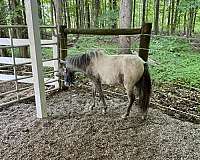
(72, 131)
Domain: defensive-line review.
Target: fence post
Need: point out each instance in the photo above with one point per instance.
(36, 56)
(63, 43)
(145, 41)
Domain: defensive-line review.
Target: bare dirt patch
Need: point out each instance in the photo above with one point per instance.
(72, 131)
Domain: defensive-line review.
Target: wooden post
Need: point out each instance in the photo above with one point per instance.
(94, 31)
(145, 40)
(36, 56)
(63, 43)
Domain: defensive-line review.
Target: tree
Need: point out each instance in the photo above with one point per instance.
(169, 16)
(163, 15)
(134, 8)
(143, 11)
(175, 17)
(156, 20)
(125, 22)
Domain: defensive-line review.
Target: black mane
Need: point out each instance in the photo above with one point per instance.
(83, 60)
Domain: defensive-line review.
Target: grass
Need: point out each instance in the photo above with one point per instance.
(85, 44)
(178, 63)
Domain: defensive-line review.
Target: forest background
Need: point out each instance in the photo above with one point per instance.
(175, 39)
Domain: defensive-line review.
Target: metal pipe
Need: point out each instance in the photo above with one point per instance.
(8, 47)
(2, 82)
(14, 62)
(1, 67)
(13, 91)
(21, 99)
(11, 65)
(23, 26)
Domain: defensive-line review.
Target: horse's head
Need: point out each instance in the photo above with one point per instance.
(68, 74)
(69, 77)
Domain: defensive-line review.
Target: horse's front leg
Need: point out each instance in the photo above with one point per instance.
(93, 95)
(98, 87)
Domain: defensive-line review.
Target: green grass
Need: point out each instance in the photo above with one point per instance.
(85, 44)
(178, 62)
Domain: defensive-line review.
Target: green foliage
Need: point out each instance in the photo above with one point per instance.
(47, 53)
(88, 43)
(109, 18)
(186, 5)
(178, 62)
(3, 11)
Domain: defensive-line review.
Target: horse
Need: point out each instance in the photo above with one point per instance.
(126, 69)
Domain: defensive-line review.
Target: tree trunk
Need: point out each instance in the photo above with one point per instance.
(65, 12)
(114, 8)
(184, 23)
(87, 8)
(194, 21)
(172, 15)
(125, 22)
(134, 7)
(148, 4)
(169, 16)
(139, 13)
(175, 17)
(77, 13)
(163, 16)
(97, 9)
(143, 11)
(190, 22)
(81, 14)
(156, 20)
(68, 14)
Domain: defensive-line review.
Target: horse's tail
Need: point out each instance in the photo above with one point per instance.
(144, 86)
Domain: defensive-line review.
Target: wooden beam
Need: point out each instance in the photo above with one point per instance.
(145, 41)
(36, 56)
(101, 31)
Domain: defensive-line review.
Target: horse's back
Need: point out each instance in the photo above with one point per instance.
(119, 68)
(133, 68)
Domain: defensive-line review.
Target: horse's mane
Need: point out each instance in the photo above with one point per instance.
(83, 60)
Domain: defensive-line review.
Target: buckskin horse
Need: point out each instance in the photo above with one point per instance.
(126, 69)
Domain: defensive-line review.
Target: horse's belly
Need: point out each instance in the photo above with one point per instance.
(110, 79)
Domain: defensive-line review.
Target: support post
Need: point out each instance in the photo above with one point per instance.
(63, 43)
(145, 41)
(36, 56)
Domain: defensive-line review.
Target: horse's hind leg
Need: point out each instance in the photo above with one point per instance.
(131, 99)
